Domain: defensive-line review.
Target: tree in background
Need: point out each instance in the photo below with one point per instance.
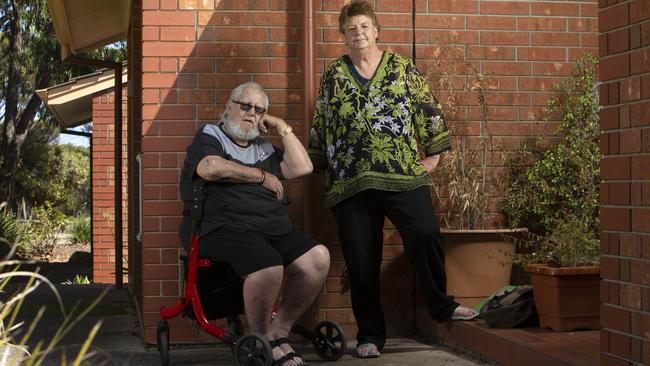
(31, 60)
(30, 54)
(47, 172)
(75, 176)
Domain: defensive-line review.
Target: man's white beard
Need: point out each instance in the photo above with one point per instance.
(237, 132)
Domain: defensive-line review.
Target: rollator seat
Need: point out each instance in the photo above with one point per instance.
(220, 289)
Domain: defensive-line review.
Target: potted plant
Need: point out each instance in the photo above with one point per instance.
(557, 197)
(478, 259)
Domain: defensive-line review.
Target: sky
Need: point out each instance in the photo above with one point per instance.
(65, 138)
(74, 139)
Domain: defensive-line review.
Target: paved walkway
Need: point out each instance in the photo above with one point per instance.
(119, 341)
(398, 351)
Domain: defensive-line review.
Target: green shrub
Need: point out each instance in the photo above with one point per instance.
(78, 280)
(41, 233)
(13, 232)
(79, 230)
(569, 243)
(557, 197)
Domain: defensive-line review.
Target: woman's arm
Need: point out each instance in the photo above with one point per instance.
(431, 162)
(430, 126)
(317, 145)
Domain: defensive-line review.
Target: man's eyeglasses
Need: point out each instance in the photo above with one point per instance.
(247, 107)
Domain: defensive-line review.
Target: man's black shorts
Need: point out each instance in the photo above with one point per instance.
(249, 251)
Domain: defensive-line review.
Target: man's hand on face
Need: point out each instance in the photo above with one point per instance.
(268, 121)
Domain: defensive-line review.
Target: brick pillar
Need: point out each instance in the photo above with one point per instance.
(625, 171)
(103, 181)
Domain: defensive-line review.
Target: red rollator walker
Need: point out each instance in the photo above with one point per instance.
(214, 291)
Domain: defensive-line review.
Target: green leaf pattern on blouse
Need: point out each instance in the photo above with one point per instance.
(366, 136)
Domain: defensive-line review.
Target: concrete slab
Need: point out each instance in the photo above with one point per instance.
(119, 341)
(398, 351)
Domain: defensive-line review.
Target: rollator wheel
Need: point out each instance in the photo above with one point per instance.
(162, 339)
(330, 341)
(253, 350)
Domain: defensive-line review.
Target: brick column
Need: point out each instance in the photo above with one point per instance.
(103, 165)
(625, 171)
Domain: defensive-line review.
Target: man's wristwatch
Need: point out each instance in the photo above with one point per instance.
(286, 131)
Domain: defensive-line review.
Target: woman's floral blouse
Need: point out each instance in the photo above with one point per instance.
(366, 135)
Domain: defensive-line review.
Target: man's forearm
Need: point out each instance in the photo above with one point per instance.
(215, 168)
(296, 162)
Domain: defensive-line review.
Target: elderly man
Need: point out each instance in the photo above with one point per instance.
(244, 221)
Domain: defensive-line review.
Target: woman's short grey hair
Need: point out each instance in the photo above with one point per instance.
(354, 8)
(239, 90)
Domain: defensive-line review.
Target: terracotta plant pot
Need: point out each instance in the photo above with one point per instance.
(477, 263)
(566, 298)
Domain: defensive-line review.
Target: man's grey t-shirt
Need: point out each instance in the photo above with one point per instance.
(246, 205)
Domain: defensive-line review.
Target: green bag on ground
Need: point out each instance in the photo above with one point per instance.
(510, 307)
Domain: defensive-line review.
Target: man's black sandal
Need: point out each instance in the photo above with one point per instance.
(289, 356)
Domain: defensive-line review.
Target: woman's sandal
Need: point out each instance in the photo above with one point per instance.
(367, 350)
(289, 356)
(463, 313)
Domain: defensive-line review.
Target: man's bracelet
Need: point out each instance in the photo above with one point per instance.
(286, 131)
(263, 176)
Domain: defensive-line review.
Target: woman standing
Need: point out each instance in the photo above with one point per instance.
(373, 110)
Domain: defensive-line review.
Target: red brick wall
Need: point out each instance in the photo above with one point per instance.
(103, 188)
(624, 28)
(194, 53)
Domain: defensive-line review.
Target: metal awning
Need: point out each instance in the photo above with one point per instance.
(83, 25)
(71, 102)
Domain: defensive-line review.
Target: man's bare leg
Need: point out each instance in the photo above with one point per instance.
(304, 280)
(260, 291)
(261, 288)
